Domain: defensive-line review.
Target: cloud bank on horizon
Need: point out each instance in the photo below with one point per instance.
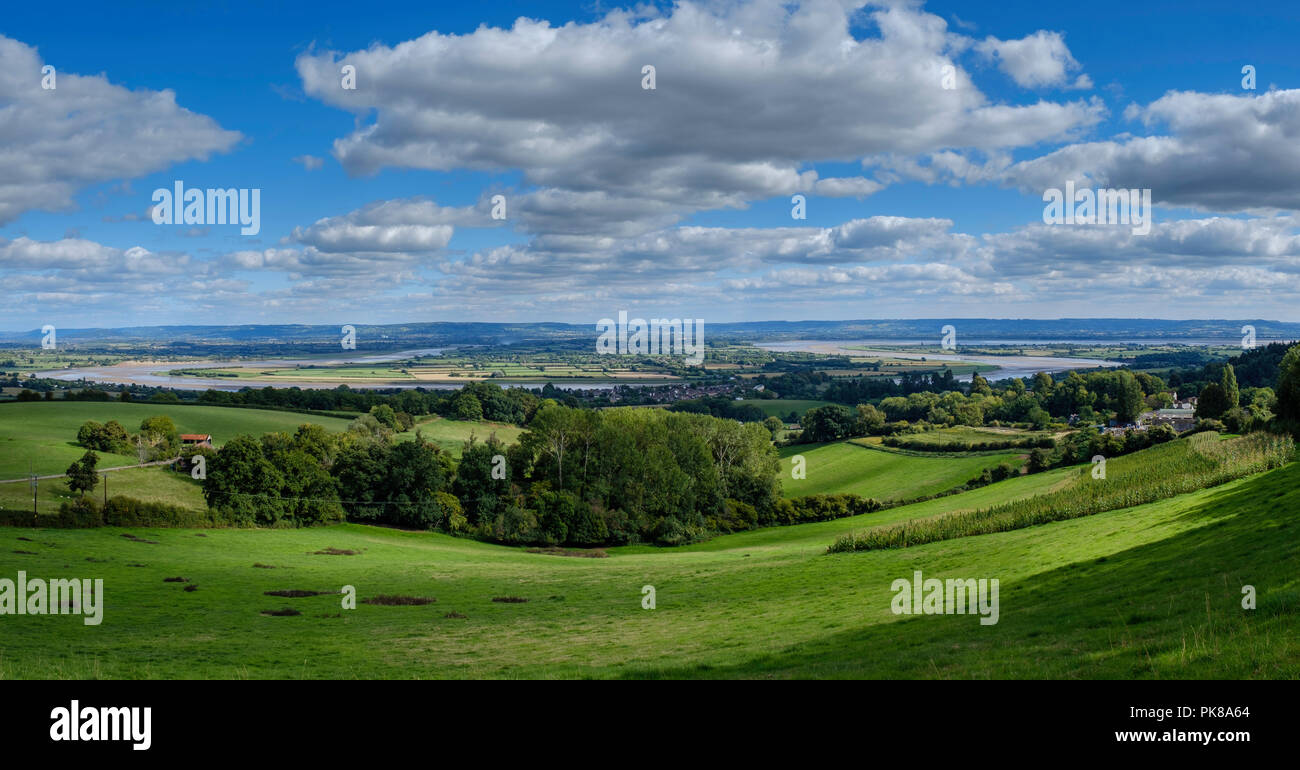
(650, 159)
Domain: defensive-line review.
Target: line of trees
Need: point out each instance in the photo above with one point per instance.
(475, 401)
(576, 477)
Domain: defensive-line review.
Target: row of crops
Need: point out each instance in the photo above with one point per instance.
(1196, 462)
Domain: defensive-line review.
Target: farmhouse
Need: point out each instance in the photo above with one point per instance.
(196, 440)
(1178, 419)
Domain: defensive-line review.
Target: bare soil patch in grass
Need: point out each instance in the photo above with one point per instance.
(388, 600)
(581, 553)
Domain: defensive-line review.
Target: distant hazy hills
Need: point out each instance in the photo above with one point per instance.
(449, 333)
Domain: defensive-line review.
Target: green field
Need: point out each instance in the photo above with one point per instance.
(965, 433)
(1146, 592)
(846, 466)
(157, 484)
(451, 435)
(45, 432)
(781, 407)
(1151, 591)
(1200, 461)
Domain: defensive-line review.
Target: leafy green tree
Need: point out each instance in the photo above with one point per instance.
(445, 511)
(870, 420)
(81, 474)
(159, 433)
(1238, 420)
(1043, 386)
(1130, 401)
(826, 423)
(1212, 402)
(467, 407)
(774, 426)
(1288, 388)
(310, 493)
(367, 428)
(587, 527)
(242, 482)
(1230, 389)
(115, 438)
(91, 435)
(386, 416)
(481, 495)
(394, 483)
(1039, 460)
(316, 442)
(111, 437)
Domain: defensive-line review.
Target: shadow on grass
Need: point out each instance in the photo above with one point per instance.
(1171, 608)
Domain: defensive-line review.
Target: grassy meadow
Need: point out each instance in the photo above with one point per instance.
(45, 432)
(847, 466)
(1152, 591)
(1199, 461)
(158, 484)
(451, 435)
(782, 407)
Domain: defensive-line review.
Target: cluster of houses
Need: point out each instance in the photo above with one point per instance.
(1181, 415)
(671, 393)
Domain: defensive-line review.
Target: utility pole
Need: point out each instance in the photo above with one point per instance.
(33, 475)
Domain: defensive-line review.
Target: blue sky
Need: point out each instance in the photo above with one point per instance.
(679, 205)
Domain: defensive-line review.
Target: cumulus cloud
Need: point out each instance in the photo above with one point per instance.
(396, 226)
(746, 97)
(84, 131)
(1034, 61)
(1217, 264)
(888, 258)
(1221, 152)
(345, 236)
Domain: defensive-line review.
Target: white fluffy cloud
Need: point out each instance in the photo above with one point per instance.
(85, 130)
(1040, 59)
(746, 97)
(1220, 152)
(1215, 265)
